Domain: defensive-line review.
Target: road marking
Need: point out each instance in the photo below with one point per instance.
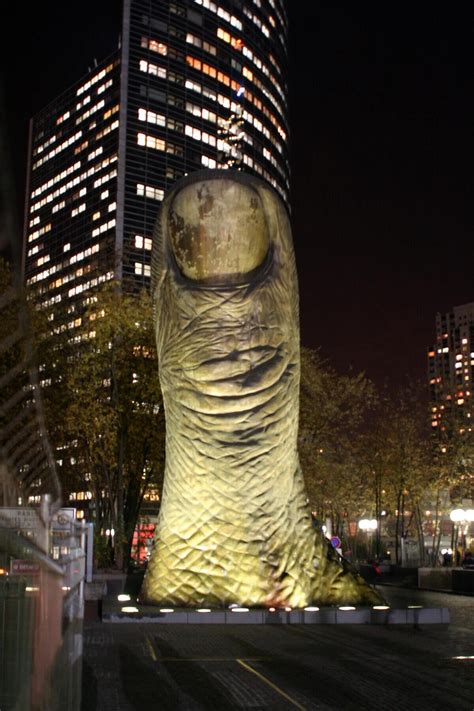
(270, 684)
(152, 651)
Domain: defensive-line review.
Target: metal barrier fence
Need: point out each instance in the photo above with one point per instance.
(41, 617)
(41, 583)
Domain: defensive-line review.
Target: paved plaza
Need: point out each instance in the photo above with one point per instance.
(140, 667)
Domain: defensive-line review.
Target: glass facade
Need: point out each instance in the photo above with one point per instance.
(194, 84)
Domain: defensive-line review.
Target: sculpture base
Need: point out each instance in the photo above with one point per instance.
(132, 612)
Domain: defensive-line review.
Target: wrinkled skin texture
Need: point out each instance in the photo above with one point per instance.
(234, 524)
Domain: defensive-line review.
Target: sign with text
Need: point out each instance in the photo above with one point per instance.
(19, 517)
(24, 567)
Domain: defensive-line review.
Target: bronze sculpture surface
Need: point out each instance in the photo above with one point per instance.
(234, 524)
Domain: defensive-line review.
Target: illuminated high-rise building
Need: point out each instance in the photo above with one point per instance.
(193, 84)
(451, 370)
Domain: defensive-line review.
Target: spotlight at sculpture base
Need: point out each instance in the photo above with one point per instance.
(234, 524)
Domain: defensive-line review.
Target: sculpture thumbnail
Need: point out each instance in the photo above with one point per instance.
(234, 524)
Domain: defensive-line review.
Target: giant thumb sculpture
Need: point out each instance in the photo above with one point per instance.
(234, 524)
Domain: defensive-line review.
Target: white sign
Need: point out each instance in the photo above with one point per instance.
(20, 518)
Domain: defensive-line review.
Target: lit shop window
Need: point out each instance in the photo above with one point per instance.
(198, 42)
(220, 12)
(150, 192)
(200, 111)
(151, 142)
(96, 78)
(144, 269)
(58, 149)
(103, 228)
(208, 162)
(92, 110)
(154, 46)
(142, 242)
(63, 118)
(236, 43)
(199, 135)
(80, 208)
(151, 117)
(153, 69)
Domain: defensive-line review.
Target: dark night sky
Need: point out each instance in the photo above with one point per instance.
(382, 159)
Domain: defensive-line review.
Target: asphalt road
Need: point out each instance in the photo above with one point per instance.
(141, 667)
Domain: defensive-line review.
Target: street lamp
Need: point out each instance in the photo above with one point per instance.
(369, 525)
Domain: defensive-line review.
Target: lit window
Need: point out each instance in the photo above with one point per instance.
(220, 12)
(143, 242)
(151, 117)
(153, 69)
(154, 46)
(80, 208)
(144, 269)
(63, 118)
(208, 162)
(150, 192)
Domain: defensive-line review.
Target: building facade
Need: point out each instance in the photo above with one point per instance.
(194, 84)
(451, 370)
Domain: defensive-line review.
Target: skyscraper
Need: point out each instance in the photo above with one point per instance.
(451, 370)
(193, 84)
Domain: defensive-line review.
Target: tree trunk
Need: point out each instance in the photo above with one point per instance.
(397, 529)
(421, 539)
(436, 530)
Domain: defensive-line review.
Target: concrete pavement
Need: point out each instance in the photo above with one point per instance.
(192, 667)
